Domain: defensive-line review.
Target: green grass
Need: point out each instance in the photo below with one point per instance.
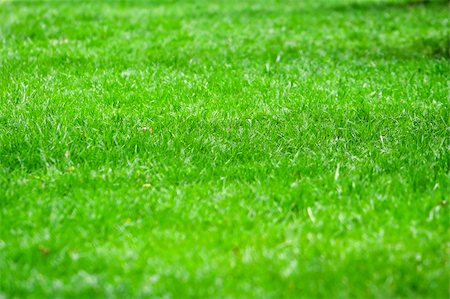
(224, 149)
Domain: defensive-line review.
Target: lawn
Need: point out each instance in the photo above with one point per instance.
(224, 149)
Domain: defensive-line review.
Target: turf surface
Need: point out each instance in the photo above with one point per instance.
(224, 149)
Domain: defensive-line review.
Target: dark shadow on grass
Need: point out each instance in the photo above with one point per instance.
(432, 48)
(387, 5)
(437, 48)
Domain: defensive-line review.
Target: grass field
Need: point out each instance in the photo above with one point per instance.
(224, 149)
